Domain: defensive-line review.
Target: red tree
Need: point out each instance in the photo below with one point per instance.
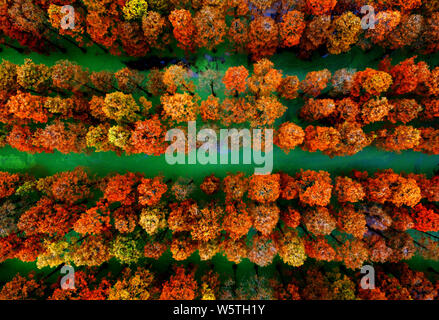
(180, 286)
(151, 191)
(184, 28)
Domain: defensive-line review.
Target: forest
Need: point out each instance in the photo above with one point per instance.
(90, 89)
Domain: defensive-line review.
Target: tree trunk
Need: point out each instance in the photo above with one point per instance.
(211, 89)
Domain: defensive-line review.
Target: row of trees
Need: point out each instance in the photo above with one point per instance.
(148, 136)
(399, 93)
(66, 78)
(115, 121)
(348, 138)
(406, 77)
(365, 102)
(71, 217)
(260, 27)
(374, 110)
(311, 282)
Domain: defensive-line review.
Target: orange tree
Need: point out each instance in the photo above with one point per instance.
(180, 107)
(315, 188)
(291, 28)
(183, 28)
(181, 286)
(316, 7)
(210, 27)
(345, 32)
(371, 82)
(262, 37)
(148, 137)
(288, 136)
(151, 191)
(235, 79)
(264, 188)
